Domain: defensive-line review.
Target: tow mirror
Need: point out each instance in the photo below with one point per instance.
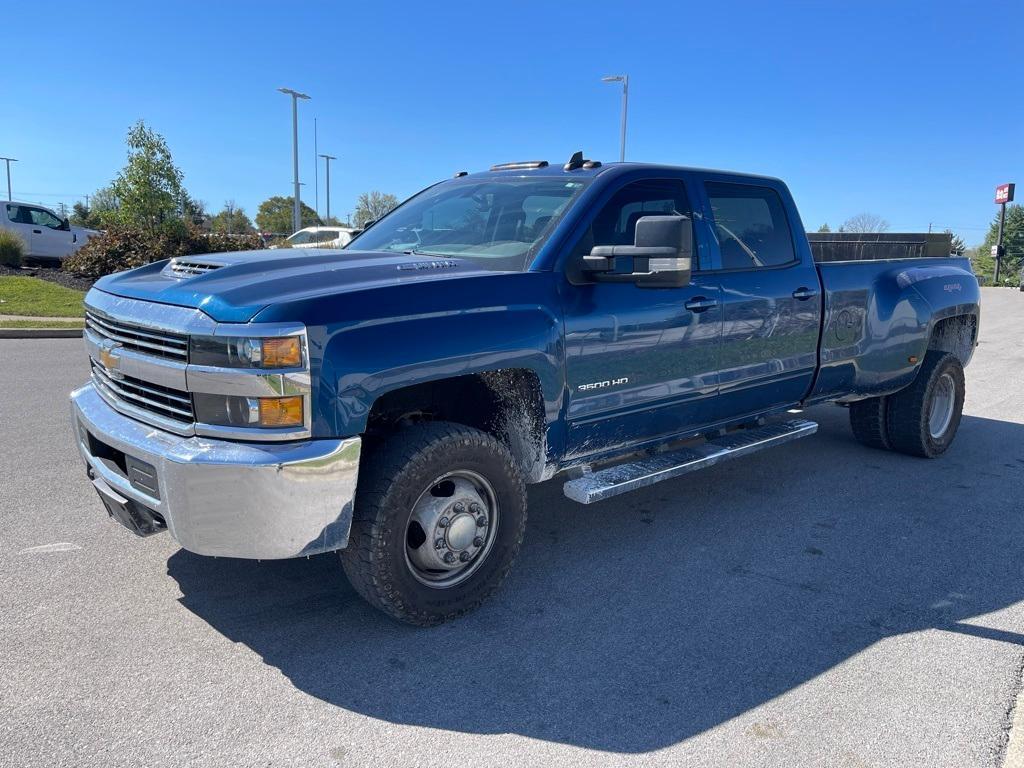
(660, 257)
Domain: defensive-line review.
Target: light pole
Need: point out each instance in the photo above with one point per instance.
(624, 79)
(9, 160)
(327, 162)
(296, 209)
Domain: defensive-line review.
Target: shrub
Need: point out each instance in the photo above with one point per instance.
(12, 248)
(125, 247)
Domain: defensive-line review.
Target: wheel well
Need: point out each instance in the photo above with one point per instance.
(955, 335)
(507, 403)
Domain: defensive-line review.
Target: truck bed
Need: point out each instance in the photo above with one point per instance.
(878, 319)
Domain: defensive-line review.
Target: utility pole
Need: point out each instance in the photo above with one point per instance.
(1004, 195)
(296, 203)
(327, 162)
(9, 160)
(316, 171)
(624, 79)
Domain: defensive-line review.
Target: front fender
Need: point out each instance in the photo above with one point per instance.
(368, 343)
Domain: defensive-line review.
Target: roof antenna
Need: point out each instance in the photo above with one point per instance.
(576, 161)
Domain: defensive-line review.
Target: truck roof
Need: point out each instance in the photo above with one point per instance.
(591, 169)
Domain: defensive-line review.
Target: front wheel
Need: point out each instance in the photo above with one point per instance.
(439, 517)
(923, 418)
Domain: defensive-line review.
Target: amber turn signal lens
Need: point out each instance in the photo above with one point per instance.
(282, 353)
(280, 411)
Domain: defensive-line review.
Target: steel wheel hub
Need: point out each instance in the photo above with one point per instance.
(940, 414)
(451, 529)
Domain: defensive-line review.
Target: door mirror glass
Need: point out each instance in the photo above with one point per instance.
(661, 255)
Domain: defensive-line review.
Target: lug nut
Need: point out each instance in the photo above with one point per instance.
(460, 507)
(481, 521)
(464, 557)
(449, 557)
(475, 508)
(443, 522)
(439, 544)
(478, 542)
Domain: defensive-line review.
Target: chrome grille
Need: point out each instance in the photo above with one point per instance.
(173, 346)
(183, 268)
(163, 401)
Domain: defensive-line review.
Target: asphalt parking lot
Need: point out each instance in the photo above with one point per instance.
(819, 604)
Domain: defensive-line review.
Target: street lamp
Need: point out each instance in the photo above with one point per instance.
(327, 162)
(624, 79)
(9, 160)
(296, 210)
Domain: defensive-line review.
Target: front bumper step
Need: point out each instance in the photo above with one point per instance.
(622, 478)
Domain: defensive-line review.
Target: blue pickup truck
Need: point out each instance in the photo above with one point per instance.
(618, 325)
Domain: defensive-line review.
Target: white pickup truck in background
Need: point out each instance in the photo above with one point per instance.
(47, 236)
(320, 237)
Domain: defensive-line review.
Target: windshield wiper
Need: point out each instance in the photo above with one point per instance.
(414, 252)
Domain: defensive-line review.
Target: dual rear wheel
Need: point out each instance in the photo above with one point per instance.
(920, 420)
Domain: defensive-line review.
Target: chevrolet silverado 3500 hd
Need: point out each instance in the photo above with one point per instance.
(622, 324)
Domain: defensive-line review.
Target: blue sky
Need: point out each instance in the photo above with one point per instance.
(907, 110)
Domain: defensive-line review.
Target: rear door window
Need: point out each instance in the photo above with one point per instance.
(751, 226)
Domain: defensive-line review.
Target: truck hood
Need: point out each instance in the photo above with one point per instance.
(234, 287)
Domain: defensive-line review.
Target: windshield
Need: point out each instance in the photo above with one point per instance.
(497, 223)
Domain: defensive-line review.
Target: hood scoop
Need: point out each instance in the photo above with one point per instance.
(182, 268)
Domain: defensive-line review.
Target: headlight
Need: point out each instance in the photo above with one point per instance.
(239, 352)
(235, 411)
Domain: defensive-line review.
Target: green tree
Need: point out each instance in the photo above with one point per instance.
(149, 188)
(194, 212)
(275, 215)
(957, 244)
(231, 220)
(824, 228)
(97, 207)
(1013, 243)
(371, 206)
(82, 216)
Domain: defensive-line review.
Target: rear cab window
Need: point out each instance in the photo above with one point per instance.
(751, 226)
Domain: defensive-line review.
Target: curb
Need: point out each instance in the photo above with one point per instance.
(40, 333)
(1013, 756)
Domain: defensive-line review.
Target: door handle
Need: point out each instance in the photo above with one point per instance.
(803, 294)
(37, 231)
(700, 304)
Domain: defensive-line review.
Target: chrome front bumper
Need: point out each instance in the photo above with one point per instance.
(219, 497)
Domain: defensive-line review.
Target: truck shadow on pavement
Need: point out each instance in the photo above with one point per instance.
(636, 623)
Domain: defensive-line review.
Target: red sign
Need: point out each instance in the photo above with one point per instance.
(1004, 193)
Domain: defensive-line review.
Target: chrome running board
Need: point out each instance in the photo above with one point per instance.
(622, 478)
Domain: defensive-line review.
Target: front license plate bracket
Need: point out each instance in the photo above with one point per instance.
(138, 519)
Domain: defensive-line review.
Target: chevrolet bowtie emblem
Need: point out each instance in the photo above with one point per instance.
(109, 358)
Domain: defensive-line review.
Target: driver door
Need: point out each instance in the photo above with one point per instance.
(49, 237)
(641, 363)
